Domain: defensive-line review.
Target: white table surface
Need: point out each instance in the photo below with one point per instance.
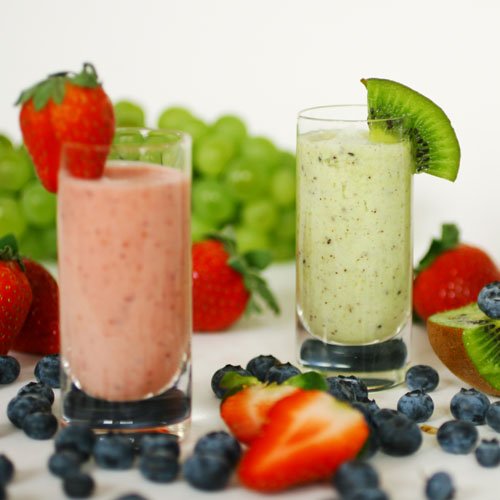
(401, 478)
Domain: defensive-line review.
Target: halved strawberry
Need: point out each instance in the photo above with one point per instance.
(245, 412)
(307, 436)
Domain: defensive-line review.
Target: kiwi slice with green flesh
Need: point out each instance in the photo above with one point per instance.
(434, 142)
(468, 343)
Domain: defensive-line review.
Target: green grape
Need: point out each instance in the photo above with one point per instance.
(196, 128)
(212, 154)
(246, 180)
(200, 228)
(174, 118)
(49, 241)
(5, 144)
(286, 159)
(230, 126)
(260, 150)
(248, 238)
(38, 205)
(283, 186)
(128, 114)
(31, 244)
(212, 202)
(260, 214)
(15, 171)
(283, 250)
(25, 157)
(126, 145)
(285, 227)
(11, 218)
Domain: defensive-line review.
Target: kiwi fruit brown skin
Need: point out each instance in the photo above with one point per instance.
(447, 342)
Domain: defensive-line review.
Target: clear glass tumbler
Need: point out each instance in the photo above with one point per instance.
(124, 251)
(354, 244)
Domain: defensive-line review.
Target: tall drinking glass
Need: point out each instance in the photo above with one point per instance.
(354, 244)
(125, 283)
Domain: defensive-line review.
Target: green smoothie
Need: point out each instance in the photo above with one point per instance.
(354, 243)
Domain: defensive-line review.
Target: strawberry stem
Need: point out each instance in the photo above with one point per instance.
(450, 238)
(9, 251)
(249, 266)
(54, 86)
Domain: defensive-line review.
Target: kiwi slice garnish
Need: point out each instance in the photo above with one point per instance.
(434, 143)
(468, 342)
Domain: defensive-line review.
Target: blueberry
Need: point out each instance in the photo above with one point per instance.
(131, 496)
(357, 385)
(260, 365)
(63, 463)
(7, 470)
(77, 438)
(114, 451)
(368, 408)
(159, 465)
(40, 425)
(78, 485)
(416, 405)
(488, 300)
(354, 475)
(383, 415)
(222, 443)
(366, 494)
(9, 369)
(281, 372)
(488, 453)
(208, 472)
(457, 436)
(422, 377)
(470, 405)
(47, 370)
(439, 487)
(399, 436)
(493, 416)
(38, 388)
(20, 406)
(169, 442)
(217, 377)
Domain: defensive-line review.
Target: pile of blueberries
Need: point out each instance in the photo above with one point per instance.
(394, 432)
(216, 454)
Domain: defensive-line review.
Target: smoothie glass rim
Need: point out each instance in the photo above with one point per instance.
(182, 138)
(310, 112)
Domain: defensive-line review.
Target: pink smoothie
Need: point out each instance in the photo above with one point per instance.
(125, 279)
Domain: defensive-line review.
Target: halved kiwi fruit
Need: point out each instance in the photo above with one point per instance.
(434, 142)
(468, 343)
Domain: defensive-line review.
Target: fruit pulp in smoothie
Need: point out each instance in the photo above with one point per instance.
(354, 253)
(124, 273)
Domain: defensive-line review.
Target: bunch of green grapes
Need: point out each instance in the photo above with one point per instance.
(26, 209)
(239, 180)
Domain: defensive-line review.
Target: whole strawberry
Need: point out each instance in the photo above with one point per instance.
(15, 293)
(226, 284)
(451, 274)
(40, 332)
(67, 108)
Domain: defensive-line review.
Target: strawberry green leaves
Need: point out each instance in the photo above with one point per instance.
(249, 266)
(450, 237)
(54, 86)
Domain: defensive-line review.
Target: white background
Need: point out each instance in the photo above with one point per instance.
(266, 59)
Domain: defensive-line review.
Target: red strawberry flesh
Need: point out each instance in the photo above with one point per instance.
(307, 436)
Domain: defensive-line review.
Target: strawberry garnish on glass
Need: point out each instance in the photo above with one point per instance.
(67, 108)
